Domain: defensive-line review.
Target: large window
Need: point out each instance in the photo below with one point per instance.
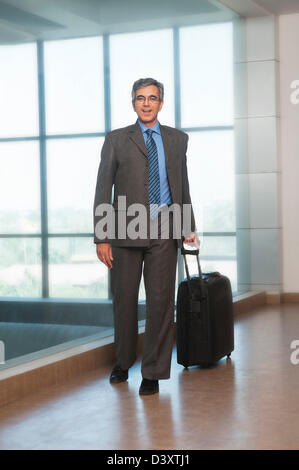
(18, 91)
(206, 59)
(140, 55)
(58, 99)
(74, 93)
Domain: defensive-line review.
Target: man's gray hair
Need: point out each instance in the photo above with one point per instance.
(143, 82)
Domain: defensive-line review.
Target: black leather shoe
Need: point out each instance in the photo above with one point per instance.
(149, 387)
(118, 375)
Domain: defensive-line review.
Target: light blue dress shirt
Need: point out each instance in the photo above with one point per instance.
(164, 186)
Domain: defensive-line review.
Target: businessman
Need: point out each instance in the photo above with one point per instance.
(146, 164)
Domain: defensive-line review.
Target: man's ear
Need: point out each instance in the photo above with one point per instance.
(161, 105)
(133, 104)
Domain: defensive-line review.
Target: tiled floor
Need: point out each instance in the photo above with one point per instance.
(248, 402)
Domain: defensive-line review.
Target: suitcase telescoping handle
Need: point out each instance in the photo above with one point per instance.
(195, 253)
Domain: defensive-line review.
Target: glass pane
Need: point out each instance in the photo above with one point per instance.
(140, 55)
(206, 60)
(225, 267)
(74, 86)
(20, 267)
(214, 247)
(18, 91)
(19, 187)
(72, 173)
(211, 175)
(74, 269)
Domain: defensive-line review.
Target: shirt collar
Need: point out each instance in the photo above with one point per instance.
(155, 127)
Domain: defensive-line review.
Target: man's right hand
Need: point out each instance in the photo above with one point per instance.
(104, 253)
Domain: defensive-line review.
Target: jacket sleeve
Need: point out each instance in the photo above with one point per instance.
(186, 199)
(105, 181)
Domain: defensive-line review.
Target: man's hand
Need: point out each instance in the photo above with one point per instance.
(192, 240)
(104, 253)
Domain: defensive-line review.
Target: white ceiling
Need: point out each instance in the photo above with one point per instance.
(279, 7)
(27, 20)
(262, 7)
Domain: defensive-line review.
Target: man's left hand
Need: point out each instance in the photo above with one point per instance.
(192, 240)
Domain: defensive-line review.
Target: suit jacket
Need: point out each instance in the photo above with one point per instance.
(124, 164)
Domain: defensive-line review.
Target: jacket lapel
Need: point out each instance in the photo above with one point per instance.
(167, 143)
(135, 134)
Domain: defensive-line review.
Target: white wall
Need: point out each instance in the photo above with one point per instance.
(289, 71)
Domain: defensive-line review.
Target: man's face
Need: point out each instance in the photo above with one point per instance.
(147, 105)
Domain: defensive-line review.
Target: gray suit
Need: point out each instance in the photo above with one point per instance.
(124, 164)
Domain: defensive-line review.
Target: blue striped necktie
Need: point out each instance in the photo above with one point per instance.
(153, 174)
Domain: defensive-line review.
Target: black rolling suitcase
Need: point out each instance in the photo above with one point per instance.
(204, 317)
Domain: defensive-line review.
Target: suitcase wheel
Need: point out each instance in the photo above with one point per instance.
(228, 356)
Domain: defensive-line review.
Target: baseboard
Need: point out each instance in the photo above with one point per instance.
(290, 297)
(28, 378)
(248, 301)
(276, 297)
(25, 379)
(273, 298)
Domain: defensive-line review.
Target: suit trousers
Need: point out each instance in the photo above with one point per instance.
(158, 261)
